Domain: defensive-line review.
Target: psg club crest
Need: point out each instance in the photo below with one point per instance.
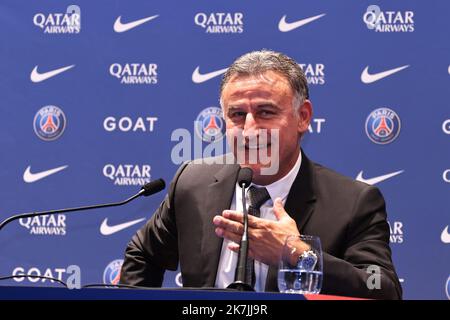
(112, 272)
(383, 126)
(210, 125)
(49, 123)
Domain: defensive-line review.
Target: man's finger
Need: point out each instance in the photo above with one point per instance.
(228, 235)
(235, 247)
(228, 225)
(253, 222)
(278, 209)
(233, 215)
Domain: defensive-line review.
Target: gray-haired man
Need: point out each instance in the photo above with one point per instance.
(199, 224)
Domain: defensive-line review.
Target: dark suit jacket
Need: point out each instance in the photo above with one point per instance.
(348, 216)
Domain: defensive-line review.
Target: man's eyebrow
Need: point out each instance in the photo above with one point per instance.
(268, 105)
(233, 108)
(259, 105)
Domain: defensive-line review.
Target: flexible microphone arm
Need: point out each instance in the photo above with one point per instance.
(148, 189)
(240, 276)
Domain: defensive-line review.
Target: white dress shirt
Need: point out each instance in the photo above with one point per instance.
(228, 258)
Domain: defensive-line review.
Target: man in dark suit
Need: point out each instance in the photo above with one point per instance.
(199, 224)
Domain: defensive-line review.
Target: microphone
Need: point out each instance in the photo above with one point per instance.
(152, 187)
(244, 180)
(147, 190)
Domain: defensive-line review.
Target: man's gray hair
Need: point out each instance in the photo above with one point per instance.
(258, 62)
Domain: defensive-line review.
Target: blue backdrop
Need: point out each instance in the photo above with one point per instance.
(91, 92)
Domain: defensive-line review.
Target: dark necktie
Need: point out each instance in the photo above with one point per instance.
(256, 197)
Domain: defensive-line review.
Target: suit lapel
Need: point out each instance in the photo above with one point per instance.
(299, 205)
(219, 196)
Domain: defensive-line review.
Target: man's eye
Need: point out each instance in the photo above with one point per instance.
(237, 114)
(266, 113)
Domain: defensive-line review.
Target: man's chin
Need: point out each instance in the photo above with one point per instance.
(261, 173)
(256, 168)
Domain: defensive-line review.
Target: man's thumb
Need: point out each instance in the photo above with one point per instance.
(278, 209)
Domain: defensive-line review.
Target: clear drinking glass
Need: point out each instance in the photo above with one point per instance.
(301, 267)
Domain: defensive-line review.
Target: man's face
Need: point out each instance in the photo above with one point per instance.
(254, 103)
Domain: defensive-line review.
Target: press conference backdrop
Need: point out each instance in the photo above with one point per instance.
(92, 93)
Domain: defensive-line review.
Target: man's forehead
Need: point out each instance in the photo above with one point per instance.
(269, 77)
(249, 84)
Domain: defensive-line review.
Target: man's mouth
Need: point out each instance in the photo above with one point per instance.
(257, 147)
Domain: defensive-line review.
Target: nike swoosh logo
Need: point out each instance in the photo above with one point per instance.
(107, 230)
(378, 179)
(197, 77)
(29, 177)
(284, 26)
(367, 78)
(36, 76)
(122, 27)
(445, 236)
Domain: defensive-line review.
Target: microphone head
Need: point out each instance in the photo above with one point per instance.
(153, 187)
(245, 176)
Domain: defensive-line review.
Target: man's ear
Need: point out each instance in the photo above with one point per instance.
(304, 116)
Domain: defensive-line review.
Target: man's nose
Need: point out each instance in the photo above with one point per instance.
(250, 126)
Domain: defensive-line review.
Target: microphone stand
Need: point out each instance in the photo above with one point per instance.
(240, 277)
(146, 190)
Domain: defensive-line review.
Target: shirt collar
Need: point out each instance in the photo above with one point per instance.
(281, 187)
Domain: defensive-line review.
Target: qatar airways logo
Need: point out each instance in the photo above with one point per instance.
(388, 21)
(314, 73)
(127, 174)
(135, 73)
(396, 232)
(45, 225)
(220, 22)
(60, 23)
